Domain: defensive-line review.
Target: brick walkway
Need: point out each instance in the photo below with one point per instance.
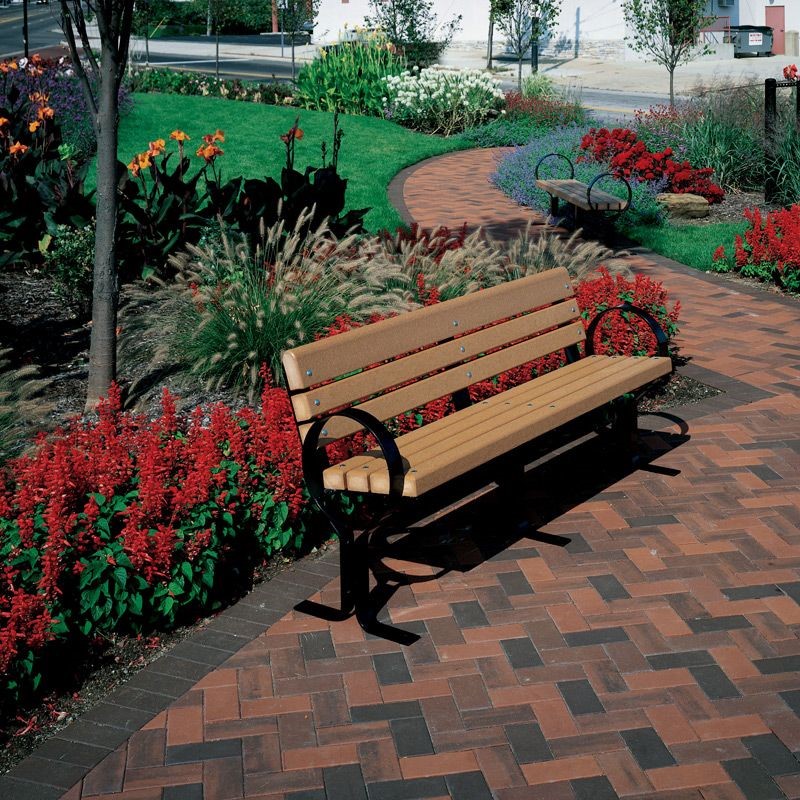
(640, 643)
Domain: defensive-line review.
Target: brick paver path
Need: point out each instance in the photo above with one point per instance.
(652, 652)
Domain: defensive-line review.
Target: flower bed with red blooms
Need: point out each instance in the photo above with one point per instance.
(628, 157)
(126, 524)
(769, 250)
(545, 111)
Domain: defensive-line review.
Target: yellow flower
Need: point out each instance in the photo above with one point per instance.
(34, 126)
(179, 136)
(143, 159)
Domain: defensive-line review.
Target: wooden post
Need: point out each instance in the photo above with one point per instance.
(770, 102)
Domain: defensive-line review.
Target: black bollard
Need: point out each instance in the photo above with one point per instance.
(770, 115)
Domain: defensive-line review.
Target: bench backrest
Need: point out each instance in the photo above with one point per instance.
(401, 363)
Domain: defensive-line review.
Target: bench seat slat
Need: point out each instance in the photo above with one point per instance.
(459, 377)
(322, 399)
(507, 421)
(575, 192)
(414, 441)
(328, 358)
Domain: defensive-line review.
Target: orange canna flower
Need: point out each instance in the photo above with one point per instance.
(17, 147)
(34, 126)
(45, 112)
(39, 97)
(157, 147)
(179, 136)
(134, 168)
(143, 159)
(209, 152)
(293, 133)
(298, 133)
(218, 136)
(3, 122)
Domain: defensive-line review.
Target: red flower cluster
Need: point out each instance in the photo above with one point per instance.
(770, 248)
(128, 523)
(629, 157)
(790, 72)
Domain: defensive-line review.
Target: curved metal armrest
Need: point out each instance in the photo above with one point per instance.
(616, 177)
(312, 469)
(554, 155)
(626, 308)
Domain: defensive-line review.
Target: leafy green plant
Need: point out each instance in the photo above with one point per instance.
(69, 259)
(350, 77)
(41, 186)
(537, 84)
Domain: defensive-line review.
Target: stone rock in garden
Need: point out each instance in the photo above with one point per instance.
(684, 206)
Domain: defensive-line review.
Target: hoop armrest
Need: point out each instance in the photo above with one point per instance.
(312, 467)
(627, 308)
(554, 155)
(616, 177)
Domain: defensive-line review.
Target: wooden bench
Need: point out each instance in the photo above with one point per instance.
(364, 377)
(581, 196)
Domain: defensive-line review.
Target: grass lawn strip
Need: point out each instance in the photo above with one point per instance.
(373, 150)
(693, 245)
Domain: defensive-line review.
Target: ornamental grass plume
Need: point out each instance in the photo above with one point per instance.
(23, 409)
(233, 309)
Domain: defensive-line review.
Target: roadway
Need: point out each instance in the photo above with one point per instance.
(244, 58)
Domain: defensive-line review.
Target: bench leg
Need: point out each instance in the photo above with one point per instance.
(626, 428)
(553, 206)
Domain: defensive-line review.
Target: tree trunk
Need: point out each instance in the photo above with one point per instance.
(519, 71)
(275, 26)
(105, 292)
(209, 17)
(292, 56)
(491, 43)
(672, 88)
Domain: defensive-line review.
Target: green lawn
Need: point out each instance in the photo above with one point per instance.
(693, 245)
(373, 150)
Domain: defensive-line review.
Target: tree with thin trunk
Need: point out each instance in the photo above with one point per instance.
(101, 80)
(523, 23)
(497, 8)
(667, 31)
(296, 15)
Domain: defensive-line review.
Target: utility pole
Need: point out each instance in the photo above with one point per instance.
(25, 27)
(534, 45)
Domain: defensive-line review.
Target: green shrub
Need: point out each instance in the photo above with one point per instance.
(349, 77)
(69, 260)
(539, 85)
(167, 81)
(503, 132)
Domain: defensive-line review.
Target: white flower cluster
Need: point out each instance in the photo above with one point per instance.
(442, 101)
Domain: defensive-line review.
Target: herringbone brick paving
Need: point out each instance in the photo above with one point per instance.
(637, 640)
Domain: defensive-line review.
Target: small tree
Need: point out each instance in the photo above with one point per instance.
(101, 81)
(497, 8)
(523, 23)
(667, 31)
(413, 26)
(294, 16)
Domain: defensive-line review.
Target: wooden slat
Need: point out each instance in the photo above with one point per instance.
(499, 435)
(344, 353)
(335, 477)
(459, 377)
(321, 399)
(490, 414)
(575, 192)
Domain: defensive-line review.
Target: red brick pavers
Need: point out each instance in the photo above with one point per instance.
(654, 656)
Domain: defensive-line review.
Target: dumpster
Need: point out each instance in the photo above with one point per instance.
(751, 40)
